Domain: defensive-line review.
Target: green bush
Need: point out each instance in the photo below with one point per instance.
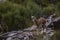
(16, 14)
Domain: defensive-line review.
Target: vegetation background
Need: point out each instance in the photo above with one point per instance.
(16, 14)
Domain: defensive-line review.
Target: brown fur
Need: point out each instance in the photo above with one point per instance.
(40, 21)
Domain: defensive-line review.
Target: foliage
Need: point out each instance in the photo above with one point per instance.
(16, 14)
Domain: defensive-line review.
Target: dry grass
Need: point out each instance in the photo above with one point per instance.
(55, 37)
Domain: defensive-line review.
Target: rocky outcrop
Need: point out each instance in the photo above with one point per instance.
(30, 33)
